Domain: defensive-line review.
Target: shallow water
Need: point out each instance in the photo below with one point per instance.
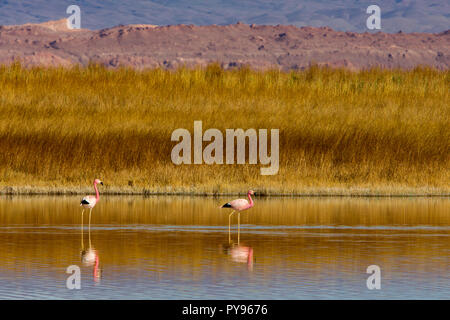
(178, 248)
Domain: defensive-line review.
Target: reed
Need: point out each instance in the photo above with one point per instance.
(369, 132)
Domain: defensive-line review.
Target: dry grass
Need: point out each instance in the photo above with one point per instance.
(371, 132)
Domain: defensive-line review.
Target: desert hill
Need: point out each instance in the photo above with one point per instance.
(259, 46)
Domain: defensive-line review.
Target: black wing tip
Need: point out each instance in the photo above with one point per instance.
(84, 202)
(226, 205)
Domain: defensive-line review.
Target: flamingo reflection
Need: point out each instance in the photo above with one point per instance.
(240, 254)
(89, 256)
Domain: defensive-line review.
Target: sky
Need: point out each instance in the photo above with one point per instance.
(345, 15)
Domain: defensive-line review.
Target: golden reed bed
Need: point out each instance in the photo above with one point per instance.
(375, 132)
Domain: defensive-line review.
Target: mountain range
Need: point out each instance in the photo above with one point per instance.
(343, 15)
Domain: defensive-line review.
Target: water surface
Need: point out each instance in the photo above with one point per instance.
(178, 248)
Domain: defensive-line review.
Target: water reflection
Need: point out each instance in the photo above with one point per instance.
(240, 254)
(177, 247)
(90, 256)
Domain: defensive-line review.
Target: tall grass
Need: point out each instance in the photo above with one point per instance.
(374, 131)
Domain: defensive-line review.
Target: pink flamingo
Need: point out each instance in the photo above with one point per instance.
(89, 202)
(238, 205)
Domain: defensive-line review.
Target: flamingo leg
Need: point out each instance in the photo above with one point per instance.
(239, 225)
(229, 227)
(90, 211)
(82, 242)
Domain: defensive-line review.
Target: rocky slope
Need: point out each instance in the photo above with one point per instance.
(260, 46)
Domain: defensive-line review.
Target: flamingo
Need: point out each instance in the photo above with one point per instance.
(238, 205)
(89, 202)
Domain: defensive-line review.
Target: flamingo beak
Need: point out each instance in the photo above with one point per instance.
(101, 183)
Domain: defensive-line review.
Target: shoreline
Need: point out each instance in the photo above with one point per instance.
(337, 192)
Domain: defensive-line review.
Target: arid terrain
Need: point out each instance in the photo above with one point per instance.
(258, 46)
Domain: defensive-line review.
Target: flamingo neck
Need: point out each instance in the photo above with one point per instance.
(250, 200)
(97, 195)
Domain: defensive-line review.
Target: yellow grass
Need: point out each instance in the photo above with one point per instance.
(341, 132)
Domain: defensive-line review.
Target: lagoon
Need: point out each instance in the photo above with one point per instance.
(177, 248)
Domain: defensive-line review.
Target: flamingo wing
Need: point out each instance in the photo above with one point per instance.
(88, 201)
(239, 204)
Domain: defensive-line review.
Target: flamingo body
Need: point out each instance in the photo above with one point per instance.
(238, 205)
(88, 202)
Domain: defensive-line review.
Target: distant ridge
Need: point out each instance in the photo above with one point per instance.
(260, 46)
(342, 15)
(57, 25)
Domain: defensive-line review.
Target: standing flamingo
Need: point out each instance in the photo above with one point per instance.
(238, 205)
(89, 202)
